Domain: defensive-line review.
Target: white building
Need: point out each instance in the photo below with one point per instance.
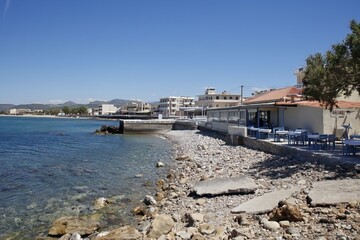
(170, 106)
(211, 99)
(107, 109)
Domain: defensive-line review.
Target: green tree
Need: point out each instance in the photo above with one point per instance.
(82, 110)
(66, 110)
(336, 72)
(53, 111)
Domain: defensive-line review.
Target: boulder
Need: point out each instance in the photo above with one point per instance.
(85, 225)
(161, 225)
(286, 212)
(123, 233)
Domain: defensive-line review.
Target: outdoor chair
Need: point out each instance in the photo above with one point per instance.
(301, 139)
(323, 141)
(331, 141)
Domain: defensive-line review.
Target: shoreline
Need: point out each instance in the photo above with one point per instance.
(198, 157)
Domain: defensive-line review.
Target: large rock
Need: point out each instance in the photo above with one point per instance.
(286, 212)
(266, 202)
(85, 225)
(161, 225)
(333, 192)
(123, 233)
(240, 184)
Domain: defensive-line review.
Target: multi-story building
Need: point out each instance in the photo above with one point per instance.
(136, 108)
(211, 99)
(170, 106)
(107, 109)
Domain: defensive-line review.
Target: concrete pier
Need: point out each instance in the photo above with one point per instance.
(146, 126)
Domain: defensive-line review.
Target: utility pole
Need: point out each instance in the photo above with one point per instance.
(242, 92)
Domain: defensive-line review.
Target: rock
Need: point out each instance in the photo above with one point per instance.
(140, 210)
(284, 224)
(159, 196)
(183, 158)
(183, 235)
(85, 225)
(144, 226)
(270, 225)
(160, 164)
(200, 201)
(75, 236)
(198, 236)
(101, 203)
(206, 229)
(242, 219)
(162, 224)
(66, 237)
(286, 212)
(210, 216)
(149, 200)
(126, 232)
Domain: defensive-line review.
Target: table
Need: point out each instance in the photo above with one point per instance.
(263, 131)
(280, 134)
(313, 140)
(350, 145)
(253, 131)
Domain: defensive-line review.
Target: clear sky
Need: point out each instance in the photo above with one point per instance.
(84, 50)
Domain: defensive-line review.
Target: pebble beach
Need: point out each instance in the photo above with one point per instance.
(176, 212)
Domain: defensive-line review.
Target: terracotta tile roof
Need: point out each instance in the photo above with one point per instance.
(273, 95)
(340, 104)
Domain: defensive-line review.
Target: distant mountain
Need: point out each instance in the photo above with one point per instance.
(33, 106)
(4, 107)
(116, 102)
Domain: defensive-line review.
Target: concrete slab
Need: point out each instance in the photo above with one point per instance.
(333, 192)
(239, 184)
(266, 202)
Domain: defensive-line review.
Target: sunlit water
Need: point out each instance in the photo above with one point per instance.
(55, 167)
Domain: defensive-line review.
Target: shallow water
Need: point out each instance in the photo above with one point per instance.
(56, 167)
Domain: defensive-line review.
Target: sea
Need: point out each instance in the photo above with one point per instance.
(54, 167)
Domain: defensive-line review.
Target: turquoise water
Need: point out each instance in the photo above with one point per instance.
(52, 167)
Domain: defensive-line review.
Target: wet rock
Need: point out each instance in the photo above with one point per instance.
(140, 210)
(162, 224)
(85, 225)
(149, 200)
(126, 232)
(160, 164)
(101, 203)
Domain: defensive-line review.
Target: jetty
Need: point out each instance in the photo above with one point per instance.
(145, 126)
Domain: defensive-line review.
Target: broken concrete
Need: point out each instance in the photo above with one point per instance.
(266, 202)
(235, 185)
(333, 192)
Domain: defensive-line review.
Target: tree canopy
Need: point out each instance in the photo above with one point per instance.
(335, 73)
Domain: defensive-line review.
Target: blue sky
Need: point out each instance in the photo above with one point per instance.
(84, 50)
